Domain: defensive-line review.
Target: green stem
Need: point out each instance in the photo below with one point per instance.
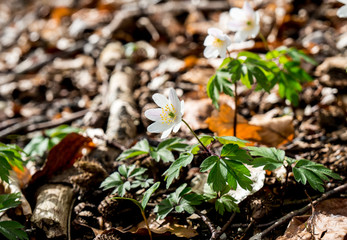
(146, 222)
(235, 113)
(208, 151)
(266, 45)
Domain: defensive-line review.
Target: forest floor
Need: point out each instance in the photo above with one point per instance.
(94, 65)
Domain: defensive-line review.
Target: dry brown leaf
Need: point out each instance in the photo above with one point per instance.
(329, 222)
(198, 75)
(274, 131)
(162, 227)
(199, 110)
(324, 227)
(263, 128)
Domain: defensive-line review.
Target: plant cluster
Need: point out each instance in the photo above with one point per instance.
(228, 167)
(10, 156)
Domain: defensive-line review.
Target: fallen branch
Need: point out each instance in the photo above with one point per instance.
(36, 123)
(223, 229)
(54, 123)
(287, 217)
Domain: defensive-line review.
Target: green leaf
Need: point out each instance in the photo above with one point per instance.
(173, 171)
(249, 55)
(238, 173)
(166, 155)
(217, 178)
(61, 131)
(41, 144)
(114, 180)
(164, 208)
(142, 147)
(313, 173)
(226, 202)
(231, 139)
(206, 139)
(208, 163)
(270, 158)
(10, 155)
(297, 55)
(168, 142)
(8, 201)
(261, 78)
(12, 230)
(233, 151)
(212, 90)
(148, 194)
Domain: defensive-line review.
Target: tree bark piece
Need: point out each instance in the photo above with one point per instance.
(123, 117)
(52, 211)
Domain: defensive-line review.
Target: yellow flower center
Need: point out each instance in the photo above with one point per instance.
(218, 42)
(168, 114)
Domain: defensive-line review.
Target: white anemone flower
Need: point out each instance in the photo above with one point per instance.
(245, 22)
(216, 43)
(168, 117)
(342, 11)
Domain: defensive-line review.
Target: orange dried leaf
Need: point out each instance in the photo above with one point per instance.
(60, 12)
(222, 123)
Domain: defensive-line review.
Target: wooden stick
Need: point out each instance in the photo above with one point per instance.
(52, 211)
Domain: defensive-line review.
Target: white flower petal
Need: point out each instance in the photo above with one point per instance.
(175, 101)
(209, 40)
(166, 133)
(248, 10)
(222, 51)
(240, 36)
(211, 52)
(215, 32)
(342, 12)
(254, 32)
(153, 114)
(177, 127)
(237, 14)
(182, 107)
(158, 127)
(160, 100)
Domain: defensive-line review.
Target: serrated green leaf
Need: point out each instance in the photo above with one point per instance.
(297, 55)
(206, 139)
(114, 180)
(148, 194)
(142, 147)
(212, 90)
(10, 155)
(168, 142)
(249, 55)
(12, 230)
(164, 208)
(8, 201)
(313, 173)
(270, 158)
(233, 151)
(261, 78)
(237, 172)
(166, 155)
(173, 171)
(208, 163)
(272, 54)
(217, 178)
(226, 202)
(231, 139)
